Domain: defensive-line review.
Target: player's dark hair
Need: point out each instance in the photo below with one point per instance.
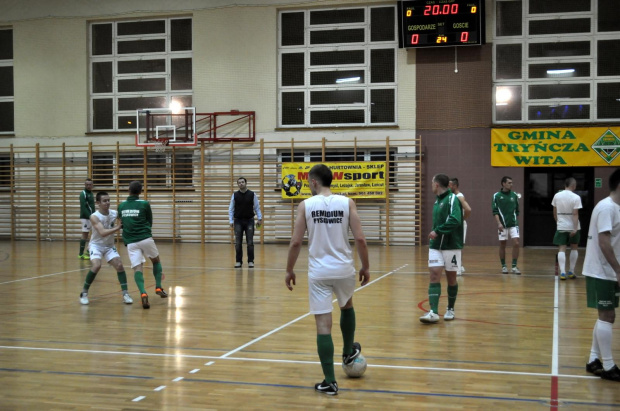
(242, 178)
(506, 178)
(101, 194)
(455, 181)
(614, 180)
(569, 181)
(322, 173)
(442, 179)
(135, 188)
(88, 179)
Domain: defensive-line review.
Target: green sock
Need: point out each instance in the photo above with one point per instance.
(434, 292)
(347, 326)
(453, 290)
(90, 277)
(325, 347)
(514, 262)
(139, 281)
(122, 279)
(157, 270)
(82, 246)
(503, 260)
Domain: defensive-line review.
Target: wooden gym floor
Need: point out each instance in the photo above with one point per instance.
(238, 339)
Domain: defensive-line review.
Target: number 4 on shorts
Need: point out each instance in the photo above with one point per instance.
(454, 260)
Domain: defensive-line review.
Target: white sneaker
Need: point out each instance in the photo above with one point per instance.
(462, 269)
(237, 265)
(251, 265)
(127, 299)
(449, 315)
(84, 298)
(515, 270)
(429, 318)
(504, 270)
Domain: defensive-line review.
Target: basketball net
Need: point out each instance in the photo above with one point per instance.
(160, 145)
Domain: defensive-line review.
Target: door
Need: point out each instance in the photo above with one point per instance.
(541, 184)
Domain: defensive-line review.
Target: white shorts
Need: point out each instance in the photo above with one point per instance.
(449, 259)
(86, 225)
(108, 253)
(137, 251)
(320, 293)
(513, 232)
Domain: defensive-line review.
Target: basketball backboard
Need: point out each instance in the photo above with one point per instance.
(173, 127)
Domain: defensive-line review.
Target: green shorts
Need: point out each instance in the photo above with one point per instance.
(602, 294)
(564, 238)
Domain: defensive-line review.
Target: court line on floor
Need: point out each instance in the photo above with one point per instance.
(43, 276)
(281, 361)
(554, 395)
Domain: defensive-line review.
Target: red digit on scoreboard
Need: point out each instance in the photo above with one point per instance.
(427, 10)
(464, 36)
(454, 8)
(415, 38)
(436, 9)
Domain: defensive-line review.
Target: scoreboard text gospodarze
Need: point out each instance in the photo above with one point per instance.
(440, 23)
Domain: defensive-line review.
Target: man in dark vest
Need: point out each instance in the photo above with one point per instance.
(243, 206)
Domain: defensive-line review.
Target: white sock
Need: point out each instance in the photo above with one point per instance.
(562, 261)
(594, 351)
(573, 260)
(603, 336)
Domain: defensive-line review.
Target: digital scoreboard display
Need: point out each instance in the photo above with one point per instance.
(440, 23)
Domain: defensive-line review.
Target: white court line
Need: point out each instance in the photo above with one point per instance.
(140, 398)
(210, 362)
(161, 387)
(299, 318)
(43, 276)
(402, 367)
(177, 379)
(556, 330)
(194, 371)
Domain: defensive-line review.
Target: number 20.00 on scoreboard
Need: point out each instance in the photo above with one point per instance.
(440, 23)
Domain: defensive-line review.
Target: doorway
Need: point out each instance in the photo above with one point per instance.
(541, 184)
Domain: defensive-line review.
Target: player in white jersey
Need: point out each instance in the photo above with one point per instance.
(566, 205)
(453, 185)
(602, 270)
(102, 246)
(331, 269)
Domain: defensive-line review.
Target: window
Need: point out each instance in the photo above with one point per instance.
(556, 61)
(337, 67)
(5, 170)
(136, 65)
(162, 169)
(7, 105)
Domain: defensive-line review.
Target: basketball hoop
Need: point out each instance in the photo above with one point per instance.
(160, 145)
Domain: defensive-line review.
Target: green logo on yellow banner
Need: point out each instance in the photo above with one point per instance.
(607, 146)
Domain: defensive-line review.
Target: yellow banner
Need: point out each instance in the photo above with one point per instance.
(555, 147)
(355, 180)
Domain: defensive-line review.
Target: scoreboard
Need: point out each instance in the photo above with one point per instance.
(440, 23)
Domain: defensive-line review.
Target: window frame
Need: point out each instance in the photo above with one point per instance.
(115, 58)
(367, 46)
(526, 39)
(9, 99)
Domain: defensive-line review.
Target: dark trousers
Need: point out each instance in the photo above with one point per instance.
(247, 227)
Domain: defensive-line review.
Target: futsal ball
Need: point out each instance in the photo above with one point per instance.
(291, 186)
(357, 368)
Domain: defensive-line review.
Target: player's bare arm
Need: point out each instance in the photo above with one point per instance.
(465, 206)
(295, 245)
(604, 241)
(500, 226)
(360, 242)
(575, 222)
(103, 232)
(555, 214)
